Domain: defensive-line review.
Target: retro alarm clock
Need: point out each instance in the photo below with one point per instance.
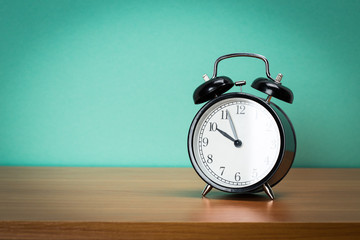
(238, 142)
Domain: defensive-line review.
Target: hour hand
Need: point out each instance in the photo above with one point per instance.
(237, 143)
(225, 135)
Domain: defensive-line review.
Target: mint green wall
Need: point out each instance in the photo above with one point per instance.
(110, 83)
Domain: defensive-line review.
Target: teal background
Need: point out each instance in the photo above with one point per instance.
(110, 83)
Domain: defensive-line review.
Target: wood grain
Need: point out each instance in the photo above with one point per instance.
(166, 203)
(177, 231)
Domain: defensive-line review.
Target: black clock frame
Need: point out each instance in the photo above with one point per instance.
(257, 186)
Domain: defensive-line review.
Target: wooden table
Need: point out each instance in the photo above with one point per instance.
(165, 203)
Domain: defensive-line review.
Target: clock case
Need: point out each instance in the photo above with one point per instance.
(213, 91)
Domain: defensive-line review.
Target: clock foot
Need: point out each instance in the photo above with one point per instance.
(267, 189)
(206, 190)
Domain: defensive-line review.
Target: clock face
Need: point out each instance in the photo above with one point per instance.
(236, 142)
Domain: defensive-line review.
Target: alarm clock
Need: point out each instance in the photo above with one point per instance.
(238, 142)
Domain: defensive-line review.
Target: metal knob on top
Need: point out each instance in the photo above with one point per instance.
(273, 88)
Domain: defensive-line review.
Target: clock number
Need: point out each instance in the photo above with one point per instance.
(210, 158)
(222, 169)
(267, 160)
(272, 144)
(268, 126)
(240, 109)
(213, 126)
(237, 176)
(254, 173)
(224, 114)
(205, 142)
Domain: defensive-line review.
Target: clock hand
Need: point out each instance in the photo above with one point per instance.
(225, 135)
(232, 125)
(237, 142)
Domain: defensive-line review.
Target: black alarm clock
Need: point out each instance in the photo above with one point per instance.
(238, 142)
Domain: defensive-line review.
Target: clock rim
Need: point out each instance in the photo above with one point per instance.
(194, 123)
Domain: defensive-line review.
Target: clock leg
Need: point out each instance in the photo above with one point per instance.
(267, 189)
(206, 190)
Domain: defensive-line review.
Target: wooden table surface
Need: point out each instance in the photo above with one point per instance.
(166, 203)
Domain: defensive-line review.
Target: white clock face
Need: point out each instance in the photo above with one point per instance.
(236, 142)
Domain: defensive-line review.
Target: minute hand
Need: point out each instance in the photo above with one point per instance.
(232, 125)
